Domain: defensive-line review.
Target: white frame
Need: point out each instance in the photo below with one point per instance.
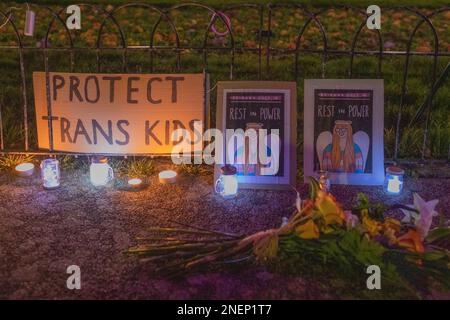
(286, 181)
(377, 86)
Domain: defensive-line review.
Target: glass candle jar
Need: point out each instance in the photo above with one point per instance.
(227, 184)
(393, 181)
(100, 171)
(50, 173)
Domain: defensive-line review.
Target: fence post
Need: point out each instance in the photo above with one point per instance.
(24, 97)
(269, 32)
(260, 31)
(2, 144)
(49, 100)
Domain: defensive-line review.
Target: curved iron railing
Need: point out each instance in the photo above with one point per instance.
(264, 49)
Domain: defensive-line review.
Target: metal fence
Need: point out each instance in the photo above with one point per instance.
(264, 50)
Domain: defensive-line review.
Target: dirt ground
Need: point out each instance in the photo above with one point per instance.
(43, 232)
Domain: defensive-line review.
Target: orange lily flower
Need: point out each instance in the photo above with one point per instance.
(391, 227)
(391, 223)
(308, 230)
(372, 227)
(411, 241)
(329, 208)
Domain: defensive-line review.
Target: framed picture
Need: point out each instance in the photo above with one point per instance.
(267, 108)
(343, 130)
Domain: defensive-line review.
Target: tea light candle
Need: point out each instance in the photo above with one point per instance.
(167, 176)
(25, 169)
(135, 183)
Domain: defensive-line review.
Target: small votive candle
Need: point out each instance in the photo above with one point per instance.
(167, 176)
(393, 182)
(135, 183)
(25, 169)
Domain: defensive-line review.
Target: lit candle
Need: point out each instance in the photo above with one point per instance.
(25, 169)
(100, 172)
(50, 173)
(394, 180)
(394, 185)
(135, 183)
(167, 176)
(227, 184)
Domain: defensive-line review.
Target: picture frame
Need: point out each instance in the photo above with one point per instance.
(283, 98)
(344, 130)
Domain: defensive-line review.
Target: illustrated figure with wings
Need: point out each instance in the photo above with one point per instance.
(242, 155)
(342, 151)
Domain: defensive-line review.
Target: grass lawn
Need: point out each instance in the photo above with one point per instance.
(340, 26)
(218, 3)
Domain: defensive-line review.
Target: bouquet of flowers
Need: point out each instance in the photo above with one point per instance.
(319, 233)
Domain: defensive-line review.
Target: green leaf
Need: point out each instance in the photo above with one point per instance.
(434, 255)
(314, 188)
(364, 250)
(438, 234)
(442, 220)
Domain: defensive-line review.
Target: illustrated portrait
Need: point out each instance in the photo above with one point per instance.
(341, 150)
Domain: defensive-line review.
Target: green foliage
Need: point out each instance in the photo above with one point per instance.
(343, 257)
(68, 162)
(318, 3)
(363, 250)
(438, 234)
(339, 24)
(375, 210)
(131, 167)
(194, 169)
(134, 168)
(340, 255)
(420, 270)
(314, 187)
